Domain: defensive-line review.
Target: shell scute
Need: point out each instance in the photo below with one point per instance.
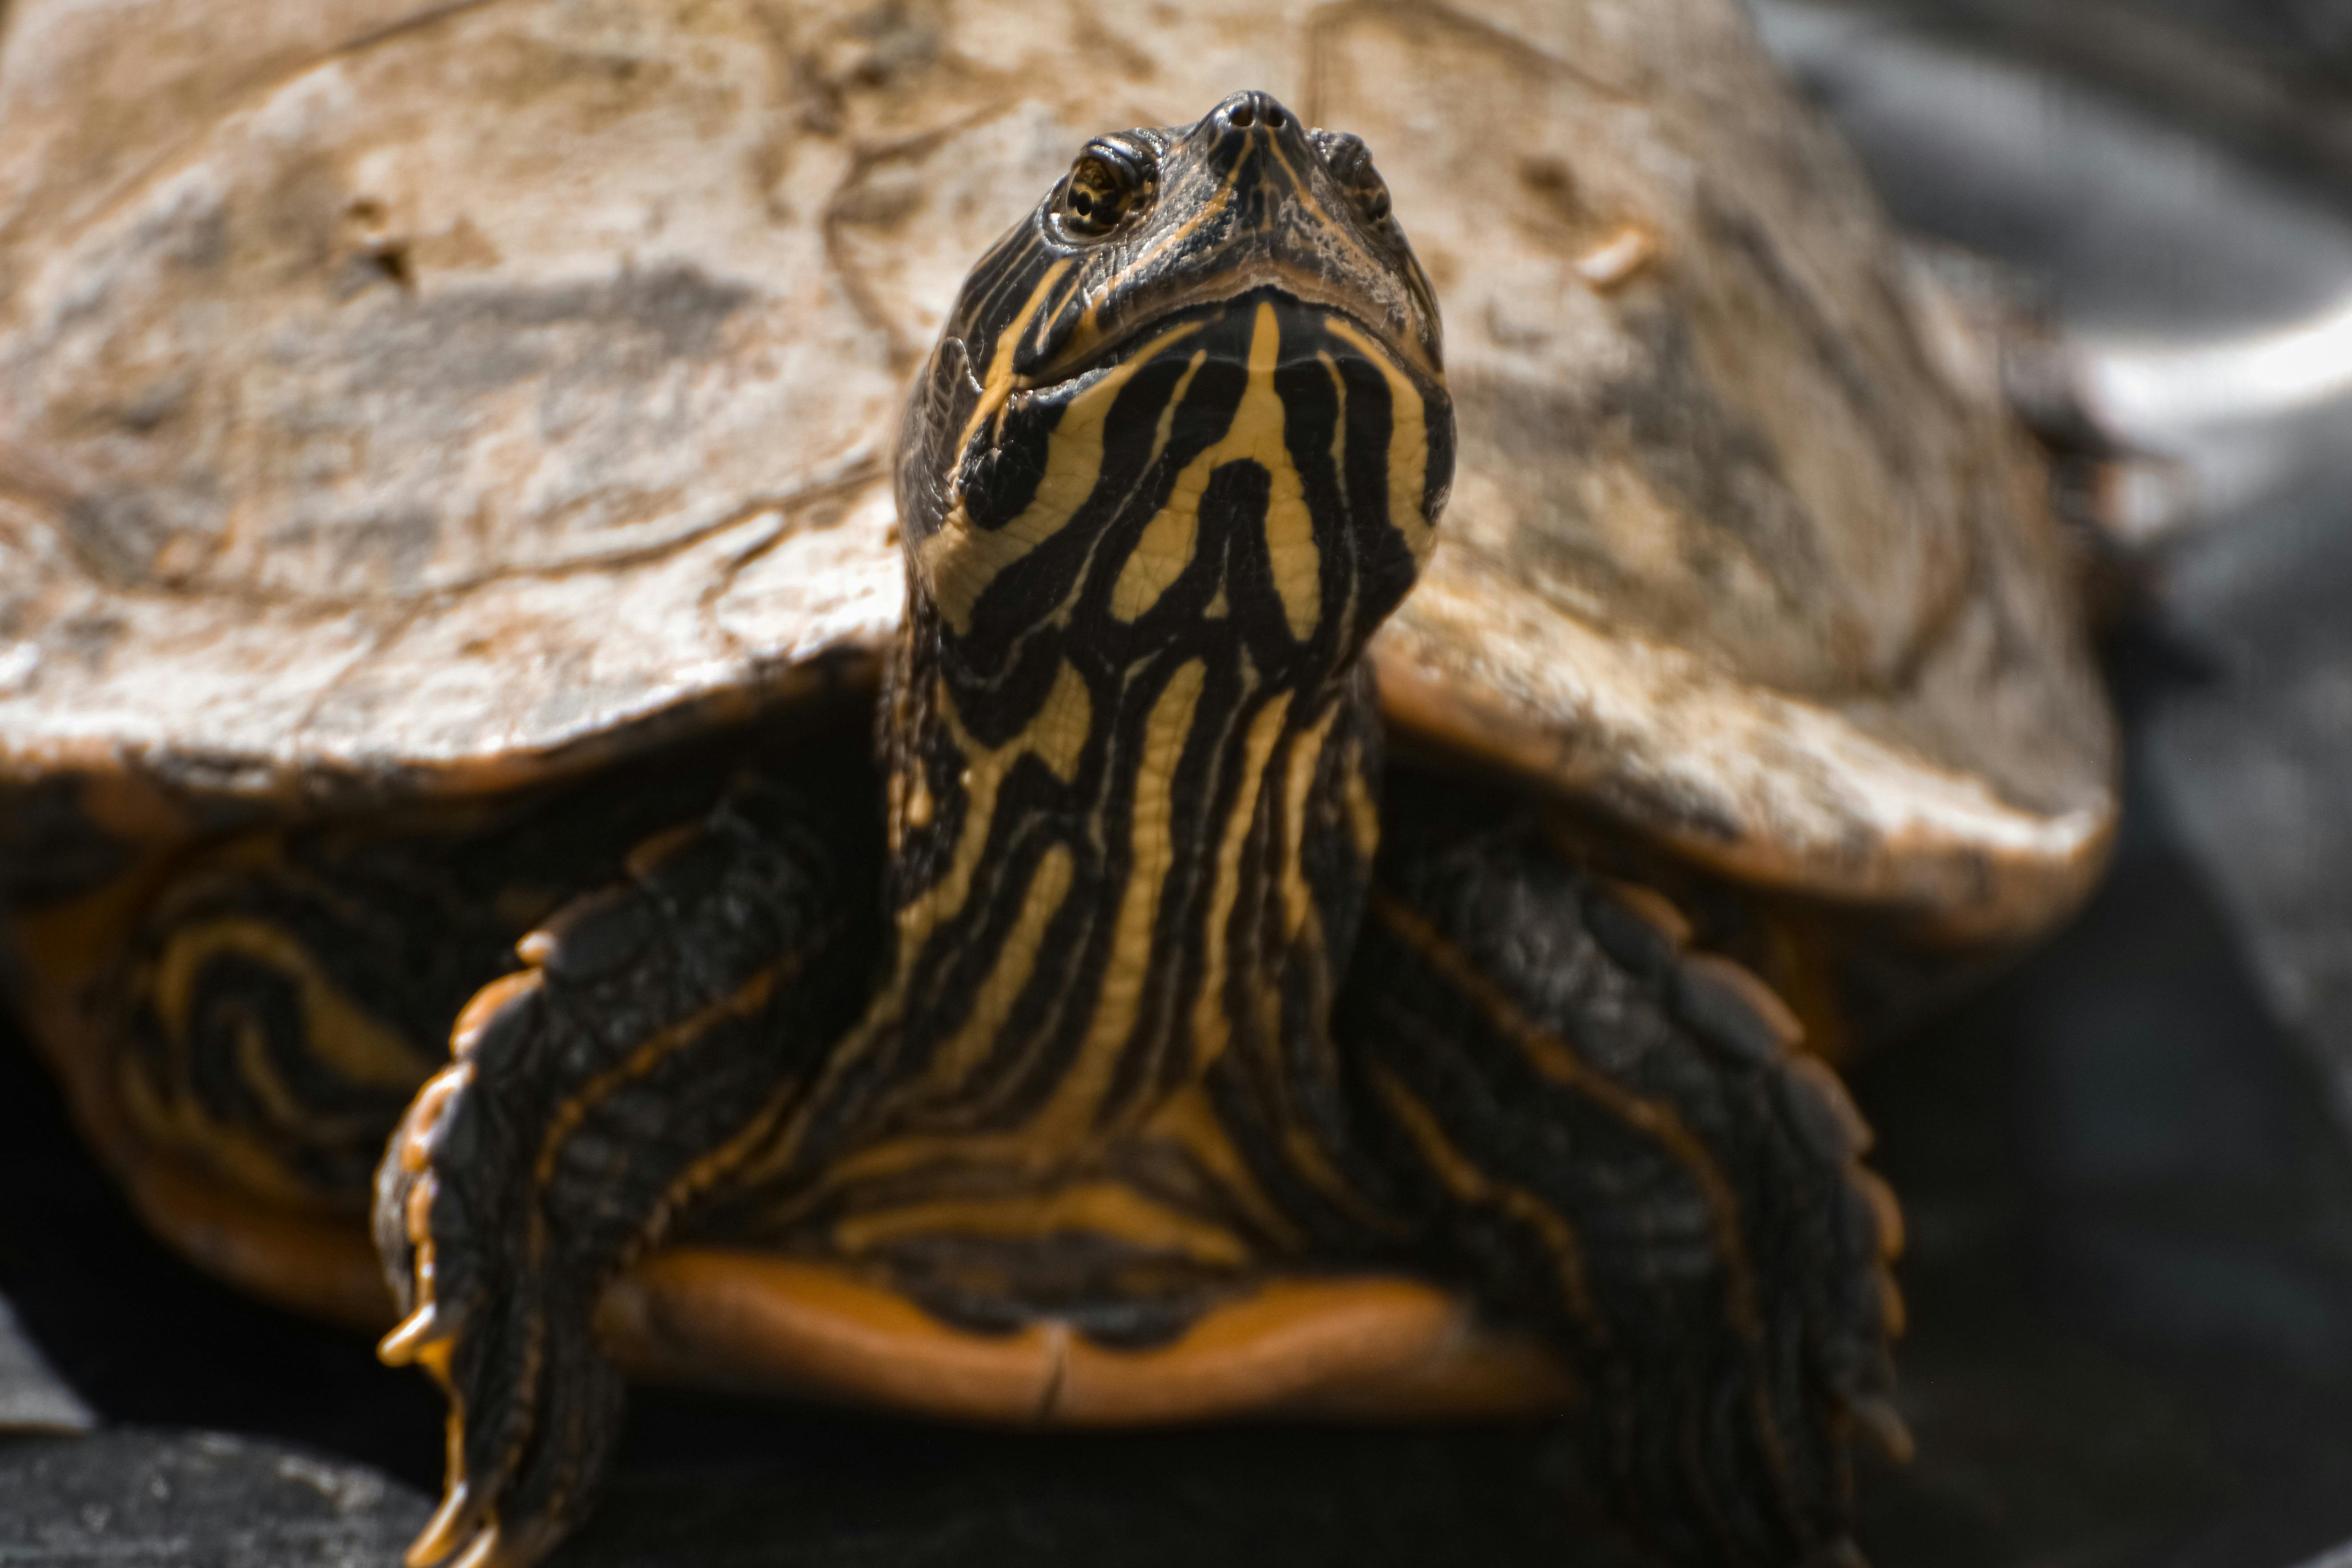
(439, 410)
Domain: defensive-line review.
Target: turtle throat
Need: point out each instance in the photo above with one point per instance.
(1130, 739)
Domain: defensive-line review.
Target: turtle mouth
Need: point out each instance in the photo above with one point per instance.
(1095, 343)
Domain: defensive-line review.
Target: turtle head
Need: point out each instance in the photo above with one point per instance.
(1202, 381)
(1155, 221)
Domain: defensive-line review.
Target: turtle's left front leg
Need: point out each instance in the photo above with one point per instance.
(1620, 1143)
(664, 1026)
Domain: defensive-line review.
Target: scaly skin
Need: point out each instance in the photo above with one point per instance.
(1163, 1002)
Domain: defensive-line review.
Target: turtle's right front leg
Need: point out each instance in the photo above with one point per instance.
(664, 1025)
(1620, 1143)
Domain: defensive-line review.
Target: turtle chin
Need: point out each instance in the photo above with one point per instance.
(1298, 292)
(1260, 466)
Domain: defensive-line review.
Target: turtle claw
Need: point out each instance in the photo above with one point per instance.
(457, 1537)
(466, 1240)
(589, 1095)
(405, 1344)
(1622, 1142)
(533, 1408)
(480, 1554)
(451, 1528)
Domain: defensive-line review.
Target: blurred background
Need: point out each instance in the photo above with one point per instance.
(2128, 1165)
(2152, 1364)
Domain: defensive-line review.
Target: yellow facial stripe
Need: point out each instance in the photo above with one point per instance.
(1257, 433)
(1088, 337)
(998, 383)
(1408, 442)
(1161, 556)
(1124, 933)
(962, 561)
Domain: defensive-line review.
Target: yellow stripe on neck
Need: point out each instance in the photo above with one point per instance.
(1259, 432)
(1071, 1114)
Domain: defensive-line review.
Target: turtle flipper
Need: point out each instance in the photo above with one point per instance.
(1615, 1141)
(663, 1024)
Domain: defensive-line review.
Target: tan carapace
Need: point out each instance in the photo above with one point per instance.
(440, 403)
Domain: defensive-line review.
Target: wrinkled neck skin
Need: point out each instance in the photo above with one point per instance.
(1132, 757)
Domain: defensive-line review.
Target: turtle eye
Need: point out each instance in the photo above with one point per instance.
(1106, 184)
(1350, 163)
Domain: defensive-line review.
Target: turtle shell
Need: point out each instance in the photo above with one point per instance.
(401, 398)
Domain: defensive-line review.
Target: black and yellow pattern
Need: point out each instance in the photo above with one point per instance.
(278, 1011)
(1123, 991)
(288, 990)
(661, 1027)
(1129, 724)
(1621, 1142)
(1132, 753)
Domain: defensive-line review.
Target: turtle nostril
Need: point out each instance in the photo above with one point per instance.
(1242, 111)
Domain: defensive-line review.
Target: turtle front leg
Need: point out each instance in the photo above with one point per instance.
(1618, 1143)
(663, 1025)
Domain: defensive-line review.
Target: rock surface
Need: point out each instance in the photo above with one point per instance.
(201, 1498)
(33, 1398)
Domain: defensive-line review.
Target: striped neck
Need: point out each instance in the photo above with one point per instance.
(1128, 651)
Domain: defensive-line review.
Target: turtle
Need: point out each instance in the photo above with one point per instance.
(621, 712)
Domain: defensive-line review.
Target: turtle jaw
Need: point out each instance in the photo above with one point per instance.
(1290, 288)
(1251, 441)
